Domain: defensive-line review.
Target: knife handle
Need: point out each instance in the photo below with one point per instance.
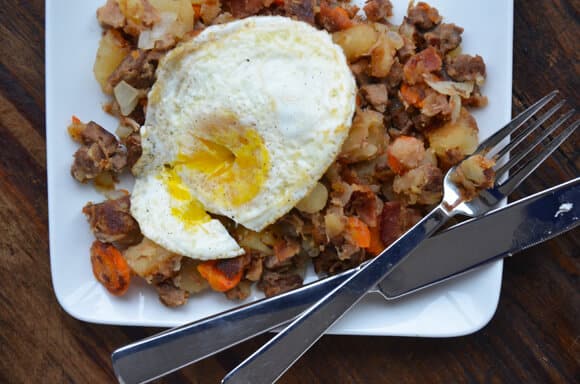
(176, 348)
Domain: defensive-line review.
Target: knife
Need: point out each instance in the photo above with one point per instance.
(500, 233)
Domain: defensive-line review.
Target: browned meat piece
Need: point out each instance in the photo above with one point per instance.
(466, 68)
(396, 220)
(376, 95)
(378, 10)
(100, 151)
(300, 9)
(274, 283)
(232, 267)
(410, 40)
(423, 16)
(284, 251)
(445, 37)
(243, 8)
(255, 268)
(359, 70)
(171, 295)
(110, 16)
(111, 221)
(134, 150)
(436, 103)
(240, 291)
(137, 69)
(395, 77)
(328, 262)
(426, 61)
(365, 204)
(333, 18)
(400, 119)
(146, 16)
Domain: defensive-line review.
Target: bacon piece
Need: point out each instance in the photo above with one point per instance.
(333, 18)
(396, 220)
(426, 61)
(365, 204)
(284, 251)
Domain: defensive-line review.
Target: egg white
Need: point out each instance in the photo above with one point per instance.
(280, 82)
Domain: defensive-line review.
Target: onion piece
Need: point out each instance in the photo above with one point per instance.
(127, 97)
(165, 26)
(450, 88)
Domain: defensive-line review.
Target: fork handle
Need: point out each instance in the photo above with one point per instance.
(269, 362)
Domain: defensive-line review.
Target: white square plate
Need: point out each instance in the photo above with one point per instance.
(456, 308)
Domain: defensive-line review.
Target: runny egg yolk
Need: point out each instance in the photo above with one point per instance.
(233, 160)
(189, 210)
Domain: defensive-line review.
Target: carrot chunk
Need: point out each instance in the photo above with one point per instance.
(218, 279)
(110, 268)
(359, 232)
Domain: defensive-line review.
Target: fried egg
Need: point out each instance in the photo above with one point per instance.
(242, 121)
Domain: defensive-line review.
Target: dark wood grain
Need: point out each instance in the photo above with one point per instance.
(534, 337)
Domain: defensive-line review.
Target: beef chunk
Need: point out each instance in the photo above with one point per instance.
(300, 9)
(423, 16)
(240, 291)
(110, 15)
(274, 283)
(100, 151)
(137, 69)
(376, 95)
(378, 10)
(445, 37)
(134, 150)
(171, 295)
(466, 68)
(111, 222)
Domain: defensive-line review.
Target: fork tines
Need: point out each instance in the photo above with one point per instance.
(517, 153)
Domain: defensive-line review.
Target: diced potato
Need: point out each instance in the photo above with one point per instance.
(454, 140)
(356, 41)
(252, 240)
(473, 175)
(366, 139)
(334, 224)
(383, 54)
(184, 11)
(189, 278)
(148, 259)
(111, 52)
(133, 10)
(315, 200)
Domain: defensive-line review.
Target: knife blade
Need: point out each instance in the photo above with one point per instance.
(510, 229)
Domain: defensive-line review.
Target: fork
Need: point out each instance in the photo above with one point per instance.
(269, 362)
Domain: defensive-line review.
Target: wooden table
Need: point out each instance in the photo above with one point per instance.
(534, 337)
